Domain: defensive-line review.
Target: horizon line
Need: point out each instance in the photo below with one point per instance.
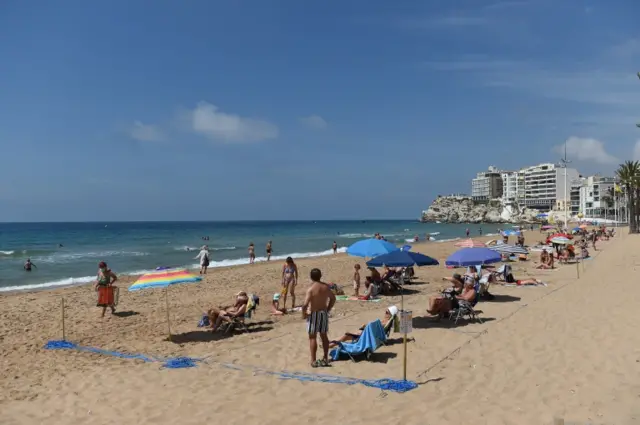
(209, 221)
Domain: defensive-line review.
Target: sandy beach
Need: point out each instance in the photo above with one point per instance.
(567, 350)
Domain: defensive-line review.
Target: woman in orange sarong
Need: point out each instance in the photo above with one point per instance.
(104, 287)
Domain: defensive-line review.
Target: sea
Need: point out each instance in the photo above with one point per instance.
(67, 254)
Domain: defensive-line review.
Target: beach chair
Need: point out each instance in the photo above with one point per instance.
(372, 337)
(466, 309)
(239, 323)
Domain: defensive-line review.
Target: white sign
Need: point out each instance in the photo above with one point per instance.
(406, 319)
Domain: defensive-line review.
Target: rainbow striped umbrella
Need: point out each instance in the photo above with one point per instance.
(162, 278)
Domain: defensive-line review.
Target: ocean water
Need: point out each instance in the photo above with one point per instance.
(133, 248)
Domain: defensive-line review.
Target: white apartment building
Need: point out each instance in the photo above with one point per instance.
(511, 192)
(544, 185)
(487, 185)
(595, 190)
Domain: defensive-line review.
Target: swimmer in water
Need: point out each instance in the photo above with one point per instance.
(28, 265)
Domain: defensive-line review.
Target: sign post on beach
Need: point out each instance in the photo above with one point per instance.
(405, 327)
(578, 268)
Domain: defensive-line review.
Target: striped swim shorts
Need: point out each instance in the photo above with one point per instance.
(318, 322)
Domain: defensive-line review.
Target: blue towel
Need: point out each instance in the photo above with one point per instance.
(372, 336)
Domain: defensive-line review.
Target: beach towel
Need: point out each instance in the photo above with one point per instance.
(351, 298)
(371, 338)
(528, 284)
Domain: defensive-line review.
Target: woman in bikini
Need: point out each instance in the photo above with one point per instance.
(289, 282)
(105, 289)
(252, 253)
(268, 249)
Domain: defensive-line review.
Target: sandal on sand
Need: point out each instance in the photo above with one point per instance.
(317, 363)
(324, 363)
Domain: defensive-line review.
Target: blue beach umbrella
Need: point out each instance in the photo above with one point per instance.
(511, 233)
(473, 257)
(406, 248)
(371, 248)
(402, 259)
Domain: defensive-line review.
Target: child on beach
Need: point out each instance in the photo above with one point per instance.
(356, 280)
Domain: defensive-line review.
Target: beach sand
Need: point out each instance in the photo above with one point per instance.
(568, 350)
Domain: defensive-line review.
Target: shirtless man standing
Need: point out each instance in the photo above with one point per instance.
(317, 305)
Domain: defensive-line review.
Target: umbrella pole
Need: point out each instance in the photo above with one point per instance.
(166, 299)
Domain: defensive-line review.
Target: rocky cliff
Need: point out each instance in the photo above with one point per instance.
(455, 209)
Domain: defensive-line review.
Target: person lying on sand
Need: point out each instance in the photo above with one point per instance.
(227, 313)
(441, 305)
(389, 314)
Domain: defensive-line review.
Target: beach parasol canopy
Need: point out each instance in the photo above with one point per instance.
(470, 243)
(473, 257)
(509, 249)
(163, 279)
(511, 233)
(371, 248)
(558, 235)
(583, 226)
(561, 240)
(402, 259)
(547, 227)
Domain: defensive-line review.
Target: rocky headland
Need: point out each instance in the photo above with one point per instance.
(459, 209)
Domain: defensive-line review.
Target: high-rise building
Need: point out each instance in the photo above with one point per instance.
(487, 185)
(595, 199)
(544, 185)
(510, 187)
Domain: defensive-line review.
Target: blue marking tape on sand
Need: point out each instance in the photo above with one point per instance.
(398, 386)
(170, 363)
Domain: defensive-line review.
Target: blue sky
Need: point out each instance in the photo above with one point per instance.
(217, 110)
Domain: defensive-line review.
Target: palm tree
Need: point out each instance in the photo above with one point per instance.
(629, 175)
(606, 201)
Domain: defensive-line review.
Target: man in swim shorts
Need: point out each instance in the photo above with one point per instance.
(317, 304)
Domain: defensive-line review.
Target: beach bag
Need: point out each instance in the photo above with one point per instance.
(204, 322)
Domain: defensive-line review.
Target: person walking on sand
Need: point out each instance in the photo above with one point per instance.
(203, 256)
(28, 265)
(105, 289)
(317, 304)
(252, 253)
(268, 249)
(334, 247)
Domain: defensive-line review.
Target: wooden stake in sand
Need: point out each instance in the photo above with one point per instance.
(578, 268)
(64, 333)
(166, 298)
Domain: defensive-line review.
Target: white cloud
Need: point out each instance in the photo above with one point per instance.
(208, 120)
(314, 121)
(585, 149)
(146, 132)
(636, 151)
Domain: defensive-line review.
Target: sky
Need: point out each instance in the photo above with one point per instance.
(289, 109)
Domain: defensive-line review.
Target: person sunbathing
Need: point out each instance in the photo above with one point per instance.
(389, 314)
(228, 313)
(441, 305)
(546, 260)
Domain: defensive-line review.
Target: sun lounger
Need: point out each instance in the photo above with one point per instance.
(371, 338)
